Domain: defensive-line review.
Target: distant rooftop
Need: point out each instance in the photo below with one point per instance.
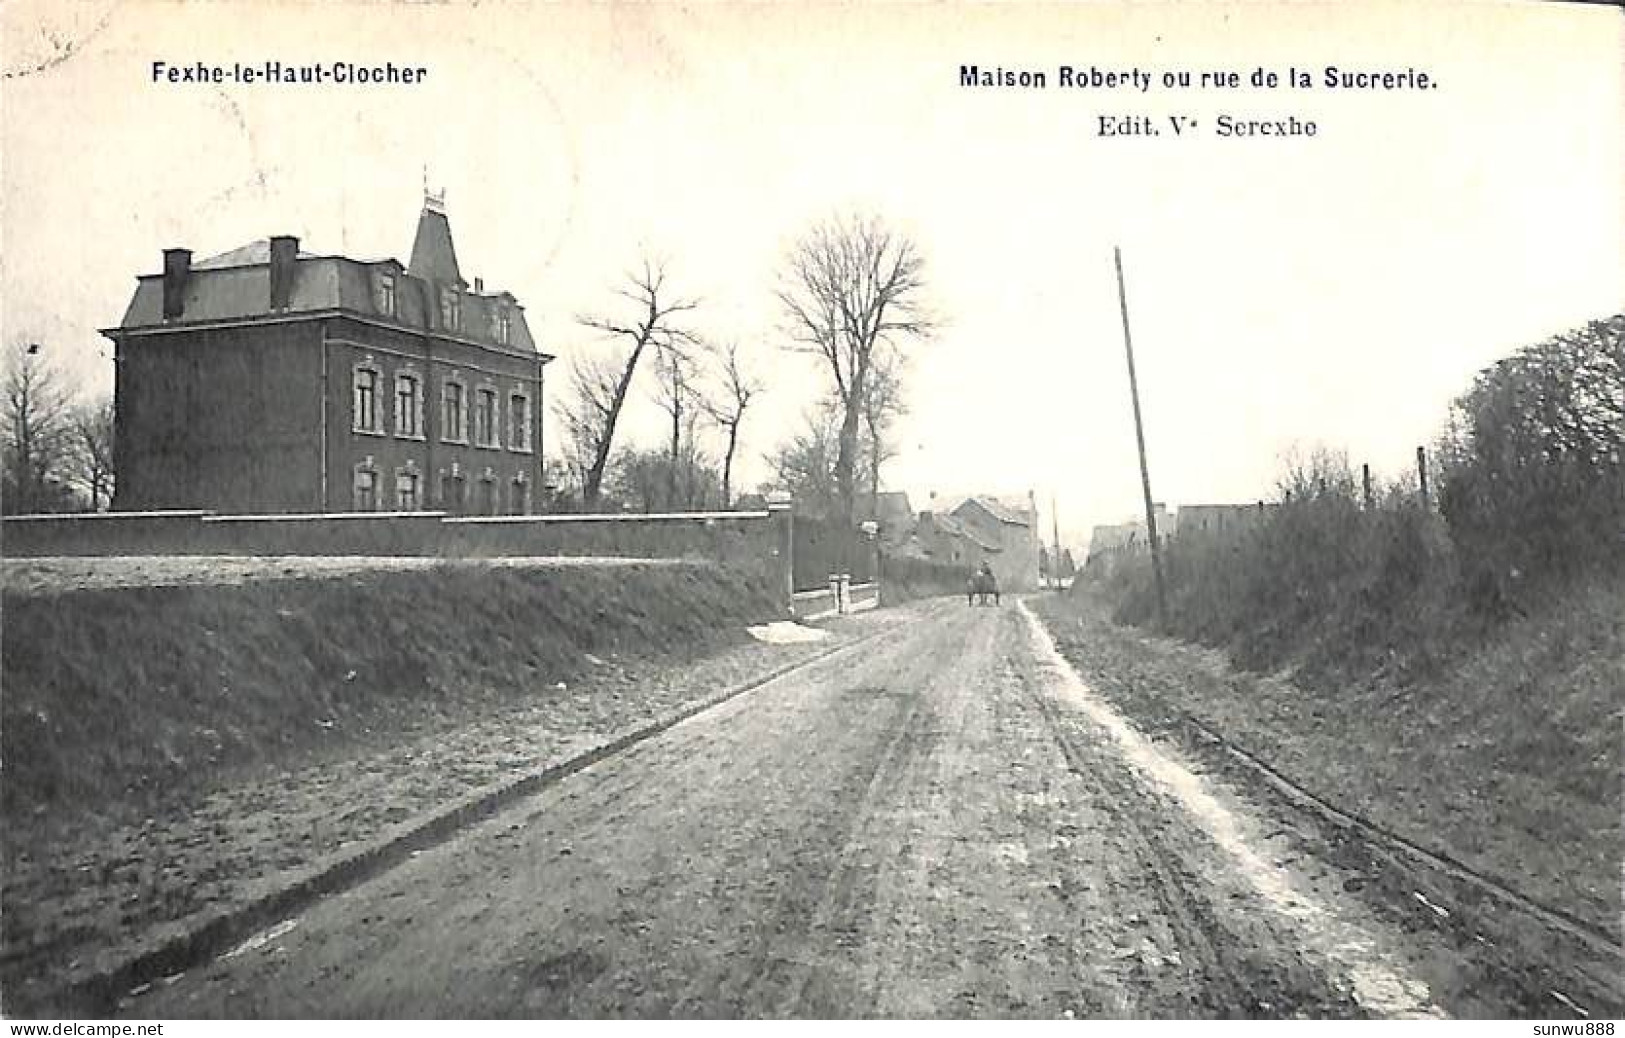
(253, 254)
(1003, 511)
(949, 525)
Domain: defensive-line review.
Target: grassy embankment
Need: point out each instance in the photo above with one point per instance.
(1502, 751)
(1457, 663)
(117, 698)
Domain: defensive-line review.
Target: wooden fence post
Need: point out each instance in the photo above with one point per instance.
(1422, 474)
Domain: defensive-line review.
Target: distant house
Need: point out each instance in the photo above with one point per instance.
(1109, 543)
(1218, 521)
(944, 539)
(1013, 527)
(269, 379)
(1190, 523)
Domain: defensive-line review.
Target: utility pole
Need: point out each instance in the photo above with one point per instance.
(1139, 439)
(1055, 532)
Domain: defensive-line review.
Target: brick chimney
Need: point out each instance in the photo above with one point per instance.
(177, 268)
(284, 254)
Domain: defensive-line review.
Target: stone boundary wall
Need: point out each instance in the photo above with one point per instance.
(750, 540)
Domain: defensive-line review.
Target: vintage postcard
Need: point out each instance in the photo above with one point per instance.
(855, 510)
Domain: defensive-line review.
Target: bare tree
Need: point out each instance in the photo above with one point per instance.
(735, 386)
(599, 385)
(804, 465)
(698, 482)
(91, 451)
(883, 404)
(851, 287)
(34, 433)
(590, 412)
(678, 395)
(641, 478)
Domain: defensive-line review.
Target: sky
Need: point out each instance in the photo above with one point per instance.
(1337, 290)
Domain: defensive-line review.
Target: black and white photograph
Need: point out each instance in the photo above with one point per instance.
(838, 511)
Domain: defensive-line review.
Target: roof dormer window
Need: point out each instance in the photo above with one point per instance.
(383, 292)
(451, 309)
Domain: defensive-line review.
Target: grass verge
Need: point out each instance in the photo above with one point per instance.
(1506, 757)
(118, 697)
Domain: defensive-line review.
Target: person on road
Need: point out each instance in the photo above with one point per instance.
(981, 584)
(990, 583)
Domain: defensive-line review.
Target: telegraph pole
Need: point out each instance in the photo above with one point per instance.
(1055, 529)
(1139, 439)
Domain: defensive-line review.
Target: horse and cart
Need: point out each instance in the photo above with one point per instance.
(982, 588)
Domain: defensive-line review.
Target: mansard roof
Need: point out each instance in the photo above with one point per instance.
(235, 286)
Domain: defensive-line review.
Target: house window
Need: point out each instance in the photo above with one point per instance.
(408, 405)
(366, 400)
(452, 426)
(366, 490)
(383, 292)
(408, 490)
(485, 418)
(451, 309)
(503, 326)
(519, 422)
(451, 492)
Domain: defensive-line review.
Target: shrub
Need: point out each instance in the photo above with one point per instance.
(1533, 480)
(1532, 495)
(1320, 579)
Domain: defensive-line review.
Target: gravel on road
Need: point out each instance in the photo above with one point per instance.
(939, 823)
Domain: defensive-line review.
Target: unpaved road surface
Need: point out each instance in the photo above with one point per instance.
(82, 895)
(939, 822)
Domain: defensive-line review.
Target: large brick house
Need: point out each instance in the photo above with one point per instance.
(268, 379)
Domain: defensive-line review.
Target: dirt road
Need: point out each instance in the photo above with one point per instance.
(939, 822)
